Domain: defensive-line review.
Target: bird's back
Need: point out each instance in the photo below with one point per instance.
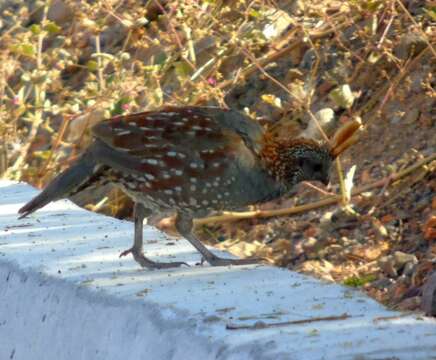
(193, 159)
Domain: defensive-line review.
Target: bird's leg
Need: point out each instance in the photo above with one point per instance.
(140, 212)
(184, 226)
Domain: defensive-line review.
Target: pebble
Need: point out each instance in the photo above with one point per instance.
(401, 259)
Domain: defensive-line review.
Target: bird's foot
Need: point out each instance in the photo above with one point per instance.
(149, 264)
(217, 261)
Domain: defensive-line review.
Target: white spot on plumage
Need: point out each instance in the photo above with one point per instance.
(178, 172)
(149, 176)
(193, 165)
(192, 201)
(168, 192)
(125, 132)
(178, 188)
(149, 161)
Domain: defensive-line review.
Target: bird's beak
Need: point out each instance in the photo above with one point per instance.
(325, 180)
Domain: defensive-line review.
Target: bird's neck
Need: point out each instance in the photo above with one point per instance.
(280, 156)
(273, 156)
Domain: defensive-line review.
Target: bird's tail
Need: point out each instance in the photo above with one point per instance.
(63, 185)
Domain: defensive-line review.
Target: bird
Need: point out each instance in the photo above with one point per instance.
(192, 160)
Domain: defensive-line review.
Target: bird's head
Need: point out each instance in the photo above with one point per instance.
(310, 163)
(295, 160)
(291, 162)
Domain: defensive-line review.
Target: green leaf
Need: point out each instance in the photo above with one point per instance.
(272, 100)
(355, 281)
(43, 154)
(254, 13)
(35, 29)
(431, 13)
(182, 69)
(92, 65)
(160, 59)
(118, 106)
(25, 49)
(52, 28)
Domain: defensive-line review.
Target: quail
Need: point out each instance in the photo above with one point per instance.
(192, 160)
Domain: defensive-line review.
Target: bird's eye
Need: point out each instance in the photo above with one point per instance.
(317, 167)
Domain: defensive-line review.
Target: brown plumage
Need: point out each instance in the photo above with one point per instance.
(192, 160)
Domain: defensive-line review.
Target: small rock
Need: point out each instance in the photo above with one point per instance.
(279, 21)
(309, 243)
(345, 241)
(342, 96)
(411, 116)
(319, 268)
(326, 119)
(308, 60)
(410, 45)
(409, 269)
(428, 302)
(382, 283)
(387, 263)
(402, 259)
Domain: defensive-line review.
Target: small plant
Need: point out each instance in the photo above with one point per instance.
(356, 281)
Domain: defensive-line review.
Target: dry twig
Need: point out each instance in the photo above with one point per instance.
(262, 325)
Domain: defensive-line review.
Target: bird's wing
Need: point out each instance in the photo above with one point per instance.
(188, 141)
(178, 125)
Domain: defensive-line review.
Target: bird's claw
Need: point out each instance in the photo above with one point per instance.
(149, 264)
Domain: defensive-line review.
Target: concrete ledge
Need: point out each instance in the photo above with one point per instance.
(65, 294)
